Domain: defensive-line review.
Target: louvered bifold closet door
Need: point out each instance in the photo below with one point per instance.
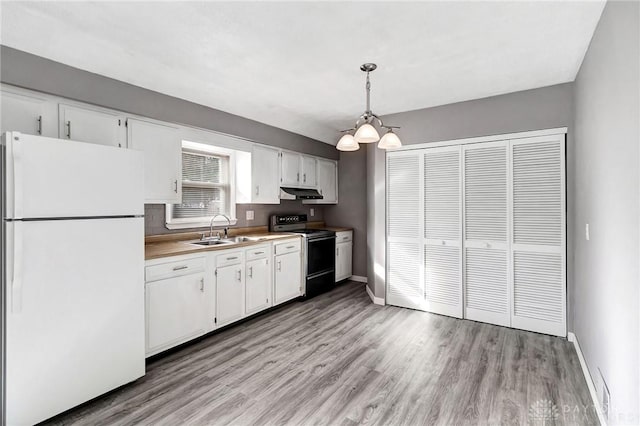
(443, 230)
(486, 230)
(538, 244)
(405, 276)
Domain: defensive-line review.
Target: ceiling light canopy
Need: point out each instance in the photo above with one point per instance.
(365, 132)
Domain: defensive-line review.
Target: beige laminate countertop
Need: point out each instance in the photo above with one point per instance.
(156, 250)
(337, 228)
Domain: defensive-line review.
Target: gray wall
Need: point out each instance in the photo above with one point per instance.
(542, 108)
(154, 215)
(34, 72)
(607, 182)
(351, 210)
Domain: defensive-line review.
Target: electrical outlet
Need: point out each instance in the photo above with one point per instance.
(587, 234)
(312, 212)
(250, 215)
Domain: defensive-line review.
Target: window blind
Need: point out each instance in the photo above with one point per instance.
(205, 186)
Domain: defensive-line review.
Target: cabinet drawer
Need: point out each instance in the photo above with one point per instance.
(344, 236)
(257, 252)
(174, 269)
(231, 258)
(287, 246)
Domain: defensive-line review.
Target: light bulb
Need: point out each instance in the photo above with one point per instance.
(366, 134)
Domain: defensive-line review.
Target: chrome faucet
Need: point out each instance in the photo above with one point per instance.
(226, 229)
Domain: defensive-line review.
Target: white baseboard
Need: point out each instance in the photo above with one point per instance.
(374, 299)
(587, 376)
(358, 278)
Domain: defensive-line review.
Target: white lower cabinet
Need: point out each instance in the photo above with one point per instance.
(288, 271)
(189, 296)
(344, 255)
(176, 304)
(230, 290)
(258, 279)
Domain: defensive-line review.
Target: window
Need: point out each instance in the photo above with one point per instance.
(206, 187)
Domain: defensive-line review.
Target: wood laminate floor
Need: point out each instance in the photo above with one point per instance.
(338, 359)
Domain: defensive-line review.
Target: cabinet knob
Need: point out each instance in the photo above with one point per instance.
(69, 129)
(39, 128)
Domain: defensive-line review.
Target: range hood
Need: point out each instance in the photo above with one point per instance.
(287, 193)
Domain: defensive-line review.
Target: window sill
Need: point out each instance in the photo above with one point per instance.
(186, 225)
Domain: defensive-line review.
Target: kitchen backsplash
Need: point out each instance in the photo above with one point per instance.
(154, 215)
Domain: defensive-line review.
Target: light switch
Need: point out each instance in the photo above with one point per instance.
(250, 215)
(312, 212)
(587, 236)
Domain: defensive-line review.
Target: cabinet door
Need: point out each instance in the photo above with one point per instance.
(327, 182)
(344, 257)
(290, 169)
(87, 125)
(162, 149)
(266, 175)
(288, 276)
(175, 311)
(258, 285)
(24, 114)
(309, 172)
(229, 294)
(486, 229)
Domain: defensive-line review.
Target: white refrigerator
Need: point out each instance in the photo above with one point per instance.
(72, 273)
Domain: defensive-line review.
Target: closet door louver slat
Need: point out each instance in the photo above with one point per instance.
(443, 231)
(486, 230)
(405, 282)
(538, 242)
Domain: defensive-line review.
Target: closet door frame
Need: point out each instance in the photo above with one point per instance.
(476, 314)
(540, 326)
(417, 239)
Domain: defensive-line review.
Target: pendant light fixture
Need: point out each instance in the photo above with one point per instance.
(365, 132)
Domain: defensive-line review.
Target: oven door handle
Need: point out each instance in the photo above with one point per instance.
(313, 240)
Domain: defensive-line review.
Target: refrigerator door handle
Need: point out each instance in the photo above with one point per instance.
(16, 284)
(15, 189)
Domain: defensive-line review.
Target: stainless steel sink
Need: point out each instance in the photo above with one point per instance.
(212, 242)
(241, 239)
(227, 241)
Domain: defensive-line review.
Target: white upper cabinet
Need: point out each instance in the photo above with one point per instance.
(162, 149)
(297, 170)
(265, 174)
(309, 172)
(27, 114)
(91, 125)
(327, 171)
(290, 169)
(258, 176)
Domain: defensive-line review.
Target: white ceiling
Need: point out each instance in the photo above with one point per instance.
(296, 65)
